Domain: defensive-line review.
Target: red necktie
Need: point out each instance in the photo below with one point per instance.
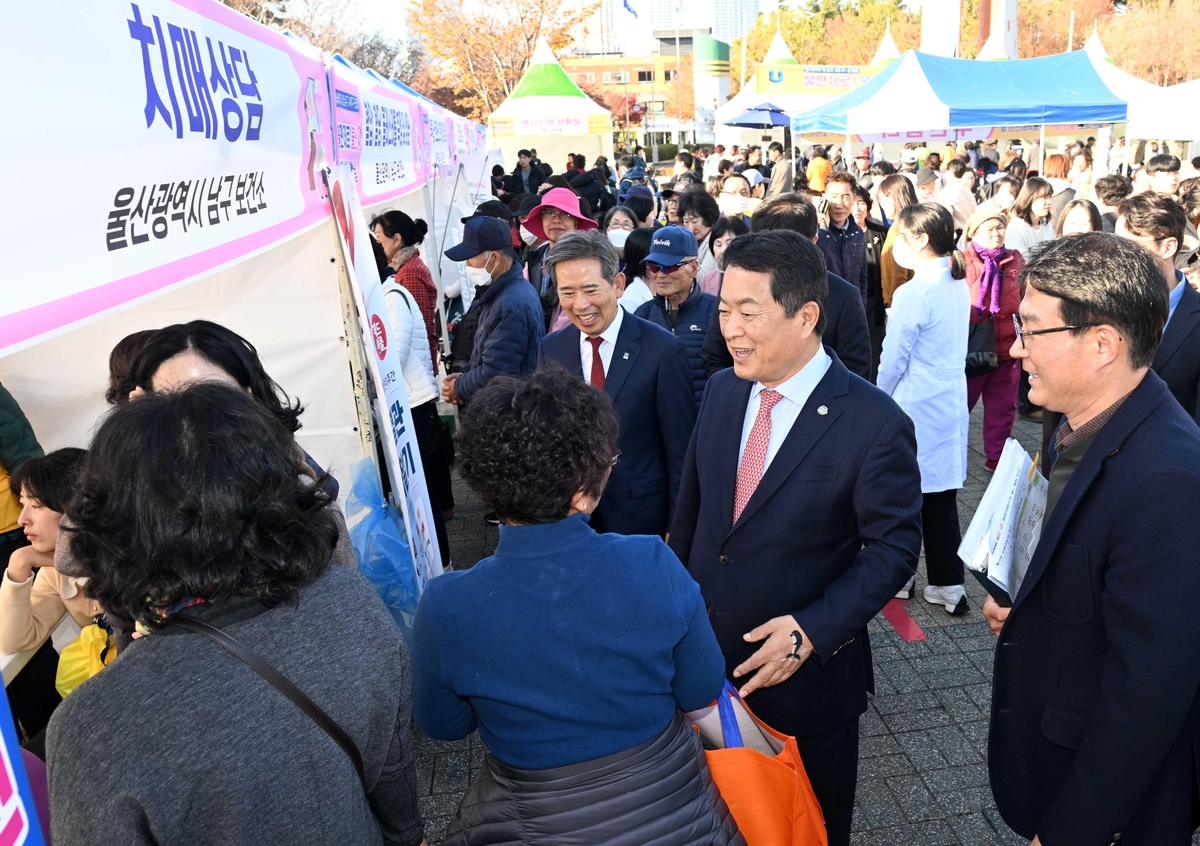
(755, 455)
(597, 364)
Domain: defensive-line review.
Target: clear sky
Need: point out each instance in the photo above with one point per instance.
(385, 15)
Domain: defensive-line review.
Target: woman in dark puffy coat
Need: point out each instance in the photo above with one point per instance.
(572, 652)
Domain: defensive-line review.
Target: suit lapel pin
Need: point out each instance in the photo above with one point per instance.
(625, 357)
(822, 410)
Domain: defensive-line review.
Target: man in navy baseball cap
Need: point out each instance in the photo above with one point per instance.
(672, 245)
(510, 317)
(480, 235)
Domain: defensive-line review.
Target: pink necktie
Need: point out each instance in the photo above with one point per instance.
(597, 364)
(755, 455)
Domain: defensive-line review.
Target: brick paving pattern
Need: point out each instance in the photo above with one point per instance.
(922, 777)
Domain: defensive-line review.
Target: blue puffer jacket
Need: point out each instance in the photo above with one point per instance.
(846, 254)
(506, 339)
(689, 323)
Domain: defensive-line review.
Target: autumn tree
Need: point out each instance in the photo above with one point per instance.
(827, 32)
(1155, 40)
(480, 51)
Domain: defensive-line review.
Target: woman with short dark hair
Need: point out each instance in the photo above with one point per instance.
(572, 652)
(190, 504)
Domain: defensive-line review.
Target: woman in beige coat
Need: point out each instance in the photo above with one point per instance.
(30, 607)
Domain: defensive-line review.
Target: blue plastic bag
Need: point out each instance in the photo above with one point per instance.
(381, 547)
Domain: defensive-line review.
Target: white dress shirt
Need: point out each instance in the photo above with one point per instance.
(796, 392)
(607, 345)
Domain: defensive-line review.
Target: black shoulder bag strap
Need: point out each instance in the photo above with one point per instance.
(280, 683)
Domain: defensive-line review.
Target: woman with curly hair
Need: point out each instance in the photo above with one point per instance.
(572, 652)
(189, 504)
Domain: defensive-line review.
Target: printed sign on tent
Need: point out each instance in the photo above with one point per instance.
(377, 130)
(170, 140)
(436, 137)
(392, 412)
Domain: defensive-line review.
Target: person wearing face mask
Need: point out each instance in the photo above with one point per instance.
(874, 234)
(619, 223)
(992, 276)
(680, 306)
(735, 197)
(896, 193)
(642, 367)
(922, 370)
(510, 317)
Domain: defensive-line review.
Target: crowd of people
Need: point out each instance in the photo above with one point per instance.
(718, 421)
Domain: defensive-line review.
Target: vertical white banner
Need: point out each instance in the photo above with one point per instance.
(393, 415)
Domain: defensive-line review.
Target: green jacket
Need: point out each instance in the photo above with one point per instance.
(17, 441)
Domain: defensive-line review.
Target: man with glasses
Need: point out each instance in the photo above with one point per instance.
(680, 306)
(642, 367)
(1094, 704)
(734, 199)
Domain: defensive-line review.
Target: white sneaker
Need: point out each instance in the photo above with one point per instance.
(906, 591)
(953, 598)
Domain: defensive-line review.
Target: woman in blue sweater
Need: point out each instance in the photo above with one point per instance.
(572, 652)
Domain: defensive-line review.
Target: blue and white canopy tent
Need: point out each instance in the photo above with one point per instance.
(921, 93)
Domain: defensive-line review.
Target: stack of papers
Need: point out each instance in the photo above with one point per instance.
(999, 544)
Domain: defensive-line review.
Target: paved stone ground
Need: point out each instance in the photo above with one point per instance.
(922, 774)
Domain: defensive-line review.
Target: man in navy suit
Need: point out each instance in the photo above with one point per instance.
(845, 332)
(642, 367)
(1157, 223)
(800, 510)
(1095, 722)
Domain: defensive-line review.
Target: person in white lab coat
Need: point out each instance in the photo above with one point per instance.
(922, 368)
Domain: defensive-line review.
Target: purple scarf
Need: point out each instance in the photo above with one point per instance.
(989, 279)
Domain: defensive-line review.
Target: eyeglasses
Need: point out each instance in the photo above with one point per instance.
(616, 458)
(555, 214)
(655, 267)
(1022, 334)
(626, 225)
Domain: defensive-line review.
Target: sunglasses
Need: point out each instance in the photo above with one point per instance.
(655, 267)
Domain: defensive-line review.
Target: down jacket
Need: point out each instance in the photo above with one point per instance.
(506, 339)
(690, 324)
(408, 326)
(660, 791)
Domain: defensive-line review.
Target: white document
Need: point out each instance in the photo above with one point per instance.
(1003, 534)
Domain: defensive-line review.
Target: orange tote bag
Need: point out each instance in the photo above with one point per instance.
(760, 775)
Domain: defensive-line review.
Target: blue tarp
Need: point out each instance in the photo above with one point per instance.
(1060, 89)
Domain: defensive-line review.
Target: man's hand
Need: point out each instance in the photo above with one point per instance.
(772, 658)
(448, 392)
(22, 562)
(995, 614)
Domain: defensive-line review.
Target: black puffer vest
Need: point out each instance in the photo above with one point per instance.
(659, 793)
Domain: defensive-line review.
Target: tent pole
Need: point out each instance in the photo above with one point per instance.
(1042, 150)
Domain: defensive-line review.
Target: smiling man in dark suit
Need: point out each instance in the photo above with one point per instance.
(642, 367)
(1157, 223)
(1095, 720)
(845, 331)
(799, 513)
